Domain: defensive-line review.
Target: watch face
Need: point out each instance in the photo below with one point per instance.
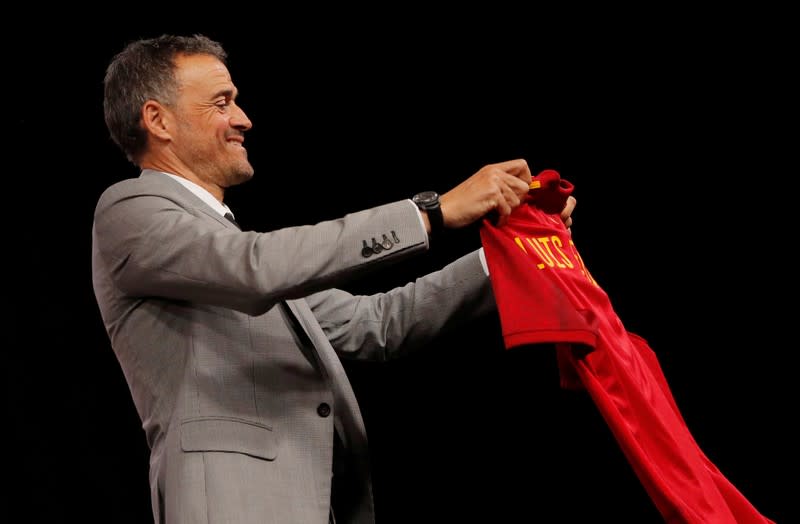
(426, 198)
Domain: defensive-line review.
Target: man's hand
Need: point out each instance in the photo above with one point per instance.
(497, 188)
(566, 213)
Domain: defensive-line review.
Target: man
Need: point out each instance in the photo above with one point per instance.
(230, 340)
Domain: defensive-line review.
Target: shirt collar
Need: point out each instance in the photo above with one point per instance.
(202, 194)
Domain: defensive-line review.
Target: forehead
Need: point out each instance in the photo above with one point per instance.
(202, 73)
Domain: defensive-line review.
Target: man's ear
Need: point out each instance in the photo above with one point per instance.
(157, 119)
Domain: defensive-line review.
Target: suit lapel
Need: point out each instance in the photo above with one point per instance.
(346, 404)
(347, 418)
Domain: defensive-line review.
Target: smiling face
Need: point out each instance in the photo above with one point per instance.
(201, 134)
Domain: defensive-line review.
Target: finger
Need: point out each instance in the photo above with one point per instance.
(518, 168)
(503, 209)
(510, 195)
(569, 207)
(516, 185)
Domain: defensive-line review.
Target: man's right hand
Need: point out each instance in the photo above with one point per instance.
(497, 188)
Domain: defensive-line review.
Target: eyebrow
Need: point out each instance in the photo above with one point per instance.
(227, 93)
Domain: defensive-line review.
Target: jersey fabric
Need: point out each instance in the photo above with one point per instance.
(546, 294)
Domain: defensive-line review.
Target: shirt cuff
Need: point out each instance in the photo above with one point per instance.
(482, 256)
(421, 222)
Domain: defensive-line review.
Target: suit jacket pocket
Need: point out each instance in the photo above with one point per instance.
(229, 435)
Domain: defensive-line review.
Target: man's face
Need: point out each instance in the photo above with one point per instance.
(210, 126)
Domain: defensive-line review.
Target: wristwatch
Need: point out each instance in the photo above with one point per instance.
(428, 201)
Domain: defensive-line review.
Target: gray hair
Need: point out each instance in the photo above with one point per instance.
(145, 70)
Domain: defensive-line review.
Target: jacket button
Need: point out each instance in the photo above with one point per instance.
(324, 409)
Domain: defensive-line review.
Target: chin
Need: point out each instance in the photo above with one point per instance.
(242, 174)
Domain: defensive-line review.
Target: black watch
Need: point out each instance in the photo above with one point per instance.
(428, 201)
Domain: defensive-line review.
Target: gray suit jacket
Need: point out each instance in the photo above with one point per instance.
(230, 344)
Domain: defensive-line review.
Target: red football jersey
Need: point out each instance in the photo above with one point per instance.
(545, 294)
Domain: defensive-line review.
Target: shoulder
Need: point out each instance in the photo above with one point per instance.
(147, 184)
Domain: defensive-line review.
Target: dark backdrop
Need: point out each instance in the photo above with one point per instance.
(684, 218)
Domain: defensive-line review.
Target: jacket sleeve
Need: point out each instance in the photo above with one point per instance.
(385, 325)
(152, 246)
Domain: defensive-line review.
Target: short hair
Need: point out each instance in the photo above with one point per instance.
(145, 70)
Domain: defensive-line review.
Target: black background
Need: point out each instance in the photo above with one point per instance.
(670, 130)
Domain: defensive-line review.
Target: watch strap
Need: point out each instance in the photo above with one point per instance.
(428, 201)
